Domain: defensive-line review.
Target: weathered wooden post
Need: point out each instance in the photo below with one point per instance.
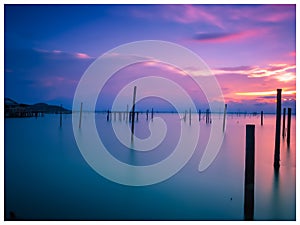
(127, 113)
(199, 112)
(277, 134)
(283, 123)
(137, 116)
(132, 115)
(107, 116)
(224, 117)
(184, 118)
(206, 116)
(147, 114)
(190, 117)
(60, 116)
(249, 172)
(120, 116)
(262, 118)
(115, 115)
(152, 114)
(288, 137)
(80, 115)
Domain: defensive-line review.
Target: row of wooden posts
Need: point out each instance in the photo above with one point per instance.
(250, 144)
(250, 154)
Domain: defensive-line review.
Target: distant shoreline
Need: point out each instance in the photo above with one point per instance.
(13, 109)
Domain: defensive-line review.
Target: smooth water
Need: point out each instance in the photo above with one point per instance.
(46, 177)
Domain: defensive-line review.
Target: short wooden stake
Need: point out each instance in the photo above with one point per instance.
(199, 112)
(190, 117)
(107, 116)
(152, 114)
(262, 118)
(133, 112)
(283, 123)
(224, 117)
(288, 137)
(127, 113)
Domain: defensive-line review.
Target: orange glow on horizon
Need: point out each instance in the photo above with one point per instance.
(262, 93)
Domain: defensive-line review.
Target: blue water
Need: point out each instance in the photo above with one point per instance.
(46, 177)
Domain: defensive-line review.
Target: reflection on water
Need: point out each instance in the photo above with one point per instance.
(46, 177)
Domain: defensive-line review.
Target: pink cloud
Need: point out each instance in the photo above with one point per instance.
(261, 13)
(82, 56)
(191, 14)
(228, 37)
(59, 53)
(180, 13)
(54, 81)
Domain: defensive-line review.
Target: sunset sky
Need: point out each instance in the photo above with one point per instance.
(251, 49)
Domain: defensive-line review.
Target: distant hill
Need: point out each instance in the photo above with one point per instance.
(15, 109)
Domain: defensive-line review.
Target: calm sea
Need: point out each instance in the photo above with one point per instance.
(47, 178)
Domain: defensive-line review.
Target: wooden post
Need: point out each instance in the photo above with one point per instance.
(132, 114)
(283, 123)
(60, 116)
(152, 114)
(184, 118)
(262, 118)
(80, 115)
(224, 117)
(120, 116)
(147, 114)
(115, 115)
(190, 117)
(137, 116)
(107, 116)
(127, 113)
(249, 172)
(288, 137)
(199, 112)
(277, 134)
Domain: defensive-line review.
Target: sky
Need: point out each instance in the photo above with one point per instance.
(250, 49)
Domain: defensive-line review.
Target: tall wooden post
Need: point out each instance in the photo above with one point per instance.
(288, 137)
(277, 134)
(249, 172)
(147, 114)
(133, 112)
(262, 118)
(283, 123)
(80, 115)
(224, 117)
